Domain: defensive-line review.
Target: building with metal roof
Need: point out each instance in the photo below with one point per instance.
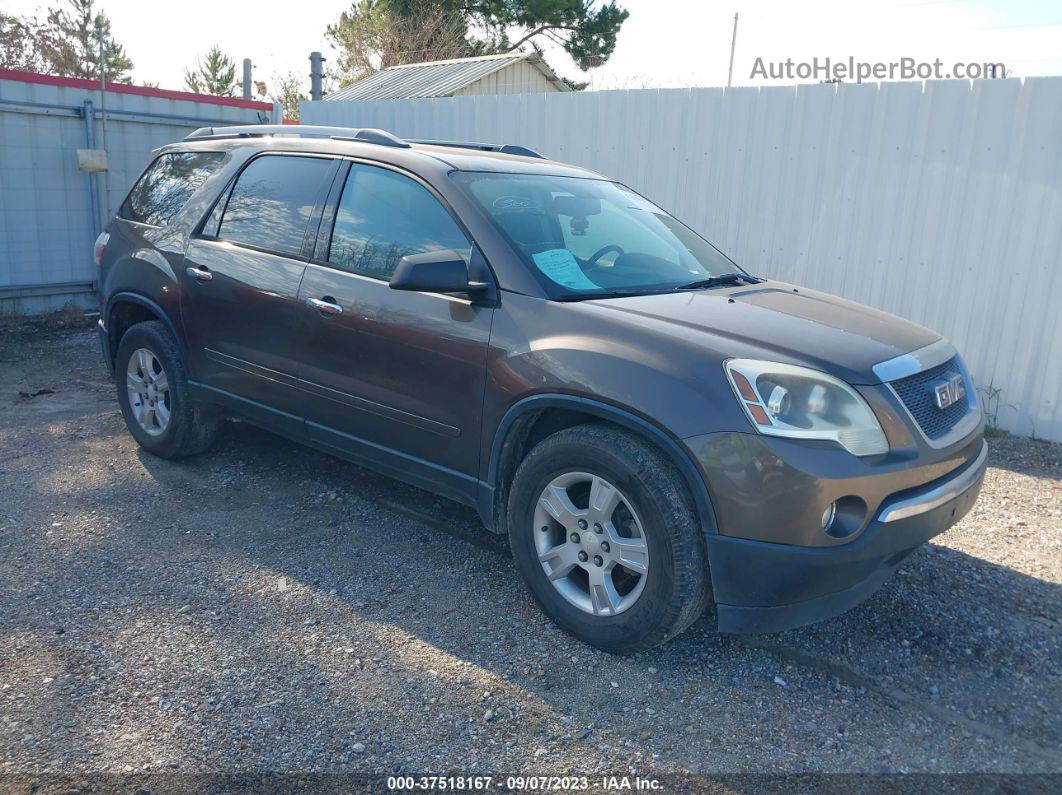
(510, 73)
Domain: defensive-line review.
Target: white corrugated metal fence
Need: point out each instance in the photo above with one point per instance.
(50, 212)
(940, 202)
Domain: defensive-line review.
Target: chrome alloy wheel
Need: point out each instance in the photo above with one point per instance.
(590, 543)
(149, 392)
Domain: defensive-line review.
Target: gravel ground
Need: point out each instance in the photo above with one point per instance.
(264, 608)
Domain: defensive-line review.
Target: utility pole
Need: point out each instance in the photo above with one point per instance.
(105, 208)
(247, 78)
(733, 43)
(316, 75)
(103, 84)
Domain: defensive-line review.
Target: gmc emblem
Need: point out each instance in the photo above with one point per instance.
(948, 391)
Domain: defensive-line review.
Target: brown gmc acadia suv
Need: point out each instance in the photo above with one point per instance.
(652, 427)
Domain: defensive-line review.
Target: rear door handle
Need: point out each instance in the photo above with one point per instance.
(325, 307)
(199, 274)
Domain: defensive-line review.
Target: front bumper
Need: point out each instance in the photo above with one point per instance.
(768, 587)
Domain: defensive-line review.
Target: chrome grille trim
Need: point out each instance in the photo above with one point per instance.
(964, 426)
(931, 355)
(916, 392)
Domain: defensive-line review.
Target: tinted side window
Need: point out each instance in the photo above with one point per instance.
(167, 186)
(382, 217)
(271, 202)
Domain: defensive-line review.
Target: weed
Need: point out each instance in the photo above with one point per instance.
(991, 396)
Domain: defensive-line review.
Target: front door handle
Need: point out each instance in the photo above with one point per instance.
(325, 307)
(199, 274)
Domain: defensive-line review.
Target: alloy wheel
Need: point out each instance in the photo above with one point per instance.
(591, 543)
(149, 392)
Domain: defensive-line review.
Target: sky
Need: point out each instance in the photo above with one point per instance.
(663, 44)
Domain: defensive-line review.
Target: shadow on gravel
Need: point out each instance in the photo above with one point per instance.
(1032, 457)
(953, 639)
(266, 607)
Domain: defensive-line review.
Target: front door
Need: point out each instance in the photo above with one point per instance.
(394, 378)
(242, 276)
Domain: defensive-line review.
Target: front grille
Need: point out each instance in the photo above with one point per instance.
(916, 392)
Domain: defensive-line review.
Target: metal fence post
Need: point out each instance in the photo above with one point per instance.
(89, 112)
(316, 75)
(40, 277)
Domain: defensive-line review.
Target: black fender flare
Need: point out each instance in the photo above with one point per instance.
(652, 432)
(110, 345)
(147, 303)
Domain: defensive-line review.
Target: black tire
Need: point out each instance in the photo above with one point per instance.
(676, 588)
(191, 427)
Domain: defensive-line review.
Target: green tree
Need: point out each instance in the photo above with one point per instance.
(21, 45)
(373, 35)
(288, 93)
(74, 48)
(376, 34)
(216, 75)
(586, 33)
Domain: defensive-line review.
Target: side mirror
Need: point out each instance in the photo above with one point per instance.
(443, 271)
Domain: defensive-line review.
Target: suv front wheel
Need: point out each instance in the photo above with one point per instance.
(154, 396)
(604, 533)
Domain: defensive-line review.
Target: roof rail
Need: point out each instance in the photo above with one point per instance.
(506, 149)
(364, 135)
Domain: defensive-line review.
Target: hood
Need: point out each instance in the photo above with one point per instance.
(780, 322)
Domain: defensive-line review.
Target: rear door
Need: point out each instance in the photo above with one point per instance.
(241, 283)
(148, 235)
(395, 378)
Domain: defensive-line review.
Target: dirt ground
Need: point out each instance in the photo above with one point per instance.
(264, 608)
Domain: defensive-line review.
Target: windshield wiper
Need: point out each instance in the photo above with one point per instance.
(722, 280)
(604, 294)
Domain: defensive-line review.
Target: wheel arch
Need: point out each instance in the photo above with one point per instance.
(533, 418)
(124, 310)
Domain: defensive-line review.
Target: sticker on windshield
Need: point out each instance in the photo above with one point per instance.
(559, 265)
(513, 203)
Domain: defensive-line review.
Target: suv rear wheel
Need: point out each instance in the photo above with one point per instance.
(605, 535)
(154, 396)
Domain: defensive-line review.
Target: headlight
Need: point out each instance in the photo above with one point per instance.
(801, 403)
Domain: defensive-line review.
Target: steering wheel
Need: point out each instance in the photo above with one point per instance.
(602, 252)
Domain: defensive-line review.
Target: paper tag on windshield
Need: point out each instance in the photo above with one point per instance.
(559, 265)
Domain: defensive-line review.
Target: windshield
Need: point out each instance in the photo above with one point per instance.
(592, 236)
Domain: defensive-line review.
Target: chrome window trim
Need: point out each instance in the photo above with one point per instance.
(915, 362)
(935, 497)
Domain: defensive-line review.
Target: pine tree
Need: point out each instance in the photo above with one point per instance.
(289, 94)
(376, 34)
(75, 51)
(216, 75)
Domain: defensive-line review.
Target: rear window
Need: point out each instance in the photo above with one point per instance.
(167, 186)
(271, 203)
